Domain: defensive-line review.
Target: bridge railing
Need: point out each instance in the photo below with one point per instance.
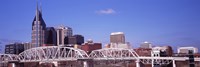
(113, 54)
(5, 58)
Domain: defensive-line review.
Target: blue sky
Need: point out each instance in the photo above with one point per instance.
(162, 22)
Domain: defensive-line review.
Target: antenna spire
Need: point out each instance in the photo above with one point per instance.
(40, 6)
(37, 12)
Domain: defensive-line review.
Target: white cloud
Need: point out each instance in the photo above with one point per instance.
(106, 11)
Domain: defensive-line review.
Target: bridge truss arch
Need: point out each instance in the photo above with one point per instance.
(52, 53)
(5, 58)
(114, 54)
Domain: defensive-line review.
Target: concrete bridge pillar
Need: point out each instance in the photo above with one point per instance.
(55, 64)
(11, 65)
(85, 64)
(152, 62)
(88, 63)
(137, 63)
(174, 64)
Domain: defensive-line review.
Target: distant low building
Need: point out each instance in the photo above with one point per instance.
(89, 46)
(120, 45)
(75, 39)
(186, 50)
(107, 45)
(77, 46)
(15, 48)
(143, 51)
(146, 45)
(162, 51)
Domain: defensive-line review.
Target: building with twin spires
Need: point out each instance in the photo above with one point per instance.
(38, 29)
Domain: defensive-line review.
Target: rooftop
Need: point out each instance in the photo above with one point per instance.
(116, 33)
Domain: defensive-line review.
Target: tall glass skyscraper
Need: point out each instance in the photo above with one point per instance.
(38, 29)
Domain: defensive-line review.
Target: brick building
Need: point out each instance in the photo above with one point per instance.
(90, 46)
(143, 51)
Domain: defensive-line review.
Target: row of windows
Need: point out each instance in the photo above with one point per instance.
(38, 40)
(38, 34)
(11, 46)
(9, 49)
(37, 37)
(34, 40)
(40, 31)
(39, 27)
(35, 22)
(9, 52)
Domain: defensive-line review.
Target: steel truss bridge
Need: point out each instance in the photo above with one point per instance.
(56, 53)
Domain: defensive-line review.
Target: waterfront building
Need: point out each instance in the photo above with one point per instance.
(161, 51)
(185, 50)
(146, 45)
(120, 45)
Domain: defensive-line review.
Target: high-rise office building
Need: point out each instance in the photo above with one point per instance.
(38, 29)
(63, 32)
(117, 37)
(50, 37)
(146, 45)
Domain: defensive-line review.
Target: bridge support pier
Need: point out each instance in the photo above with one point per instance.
(174, 64)
(85, 64)
(88, 63)
(55, 64)
(137, 63)
(152, 62)
(11, 65)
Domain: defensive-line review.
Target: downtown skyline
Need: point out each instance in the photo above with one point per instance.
(173, 23)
